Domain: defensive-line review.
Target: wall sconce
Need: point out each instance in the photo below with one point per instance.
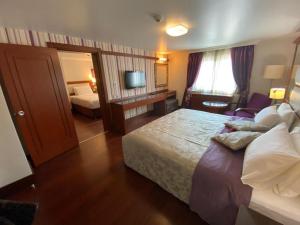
(162, 59)
(92, 78)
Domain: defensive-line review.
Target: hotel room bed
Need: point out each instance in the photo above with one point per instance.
(87, 104)
(168, 150)
(90, 101)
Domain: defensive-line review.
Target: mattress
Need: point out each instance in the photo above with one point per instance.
(90, 101)
(281, 209)
(168, 150)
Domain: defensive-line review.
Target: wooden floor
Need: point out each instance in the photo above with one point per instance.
(86, 127)
(91, 185)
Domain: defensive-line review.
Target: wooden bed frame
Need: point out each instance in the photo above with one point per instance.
(92, 113)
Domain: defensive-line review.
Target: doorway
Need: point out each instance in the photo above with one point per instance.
(35, 91)
(96, 55)
(80, 81)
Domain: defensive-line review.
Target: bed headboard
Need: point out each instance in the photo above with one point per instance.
(294, 98)
(71, 84)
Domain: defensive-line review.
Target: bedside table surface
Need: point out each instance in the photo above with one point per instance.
(215, 104)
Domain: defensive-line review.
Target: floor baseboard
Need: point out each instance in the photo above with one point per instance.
(17, 186)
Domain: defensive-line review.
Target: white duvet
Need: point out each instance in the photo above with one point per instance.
(90, 101)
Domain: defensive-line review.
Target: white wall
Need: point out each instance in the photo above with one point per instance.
(13, 163)
(75, 66)
(271, 51)
(178, 62)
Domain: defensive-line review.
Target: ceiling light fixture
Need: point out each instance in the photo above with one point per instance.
(177, 30)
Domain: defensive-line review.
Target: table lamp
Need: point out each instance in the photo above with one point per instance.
(277, 94)
(274, 72)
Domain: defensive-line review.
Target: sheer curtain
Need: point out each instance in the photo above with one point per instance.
(215, 74)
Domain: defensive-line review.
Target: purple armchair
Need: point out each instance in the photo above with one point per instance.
(256, 103)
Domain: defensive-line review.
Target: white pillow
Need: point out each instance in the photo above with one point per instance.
(296, 123)
(83, 90)
(296, 138)
(268, 117)
(288, 183)
(268, 156)
(286, 114)
(236, 140)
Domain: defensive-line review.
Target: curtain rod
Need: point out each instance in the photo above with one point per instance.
(224, 47)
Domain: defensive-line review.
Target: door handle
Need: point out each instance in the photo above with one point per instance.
(20, 113)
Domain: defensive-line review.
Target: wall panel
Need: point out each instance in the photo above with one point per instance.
(114, 66)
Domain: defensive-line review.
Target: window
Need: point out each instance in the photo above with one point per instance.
(215, 74)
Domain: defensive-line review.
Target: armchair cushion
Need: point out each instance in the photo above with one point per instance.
(257, 102)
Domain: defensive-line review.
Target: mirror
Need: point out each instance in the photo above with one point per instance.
(293, 95)
(161, 75)
(295, 66)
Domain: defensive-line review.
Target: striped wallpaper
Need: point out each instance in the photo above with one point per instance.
(114, 66)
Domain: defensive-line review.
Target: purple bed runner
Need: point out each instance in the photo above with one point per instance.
(217, 190)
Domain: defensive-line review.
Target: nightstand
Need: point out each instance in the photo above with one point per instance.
(215, 107)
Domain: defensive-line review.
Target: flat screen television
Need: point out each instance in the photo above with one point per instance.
(135, 79)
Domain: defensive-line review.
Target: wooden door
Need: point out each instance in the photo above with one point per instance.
(35, 91)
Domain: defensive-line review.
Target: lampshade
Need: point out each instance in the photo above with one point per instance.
(274, 72)
(277, 93)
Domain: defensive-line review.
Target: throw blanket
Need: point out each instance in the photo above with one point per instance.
(217, 190)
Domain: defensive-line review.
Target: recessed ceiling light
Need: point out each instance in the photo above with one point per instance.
(177, 30)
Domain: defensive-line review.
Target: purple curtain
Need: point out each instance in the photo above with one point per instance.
(192, 73)
(242, 61)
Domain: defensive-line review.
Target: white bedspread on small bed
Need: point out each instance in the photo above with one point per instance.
(90, 101)
(168, 149)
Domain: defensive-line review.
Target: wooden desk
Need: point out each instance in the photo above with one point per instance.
(122, 125)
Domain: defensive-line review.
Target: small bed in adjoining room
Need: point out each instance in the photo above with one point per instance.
(84, 101)
(170, 150)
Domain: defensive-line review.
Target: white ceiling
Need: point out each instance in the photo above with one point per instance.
(211, 22)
